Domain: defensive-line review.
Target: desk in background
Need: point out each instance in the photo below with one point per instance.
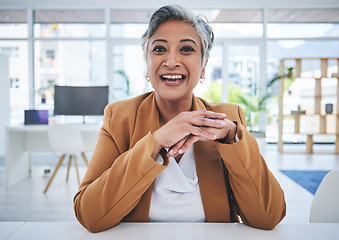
(177, 231)
(22, 140)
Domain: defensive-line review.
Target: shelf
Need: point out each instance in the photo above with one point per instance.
(317, 97)
(310, 58)
(314, 133)
(311, 115)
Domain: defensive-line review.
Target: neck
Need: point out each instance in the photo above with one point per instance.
(170, 109)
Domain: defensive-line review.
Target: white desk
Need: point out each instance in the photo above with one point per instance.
(177, 231)
(8, 228)
(22, 140)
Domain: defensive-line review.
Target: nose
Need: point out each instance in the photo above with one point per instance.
(172, 60)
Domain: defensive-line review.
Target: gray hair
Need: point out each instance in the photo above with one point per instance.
(176, 12)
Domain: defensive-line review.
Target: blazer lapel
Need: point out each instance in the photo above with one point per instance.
(211, 177)
(147, 120)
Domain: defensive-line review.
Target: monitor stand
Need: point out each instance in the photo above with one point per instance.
(83, 119)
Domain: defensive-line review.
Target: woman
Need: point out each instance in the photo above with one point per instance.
(170, 156)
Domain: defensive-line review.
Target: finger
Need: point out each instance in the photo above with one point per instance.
(207, 122)
(201, 132)
(215, 131)
(174, 149)
(210, 114)
(205, 118)
(188, 143)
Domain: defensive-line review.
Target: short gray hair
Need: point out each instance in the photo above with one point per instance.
(176, 12)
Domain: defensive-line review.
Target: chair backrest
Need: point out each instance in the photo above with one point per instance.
(325, 205)
(66, 139)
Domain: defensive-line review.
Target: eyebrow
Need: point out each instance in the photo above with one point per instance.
(189, 40)
(159, 40)
(183, 40)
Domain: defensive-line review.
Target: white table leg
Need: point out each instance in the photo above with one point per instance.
(17, 160)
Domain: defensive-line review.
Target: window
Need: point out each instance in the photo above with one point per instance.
(279, 49)
(14, 83)
(233, 23)
(17, 51)
(78, 58)
(299, 23)
(69, 47)
(50, 54)
(129, 23)
(71, 62)
(212, 87)
(128, 72)
(13, 24)
(69, 23)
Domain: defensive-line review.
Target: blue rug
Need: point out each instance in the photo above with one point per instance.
(310, 180)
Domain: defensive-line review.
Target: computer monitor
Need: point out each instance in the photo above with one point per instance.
(80, 100)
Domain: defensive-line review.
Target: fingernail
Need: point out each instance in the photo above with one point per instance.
(170, 153)
(180, 151)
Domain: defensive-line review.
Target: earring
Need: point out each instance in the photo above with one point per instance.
(147, 78)
(202, 79)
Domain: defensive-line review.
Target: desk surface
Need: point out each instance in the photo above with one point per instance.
(21, 140)
(170, 231)
(8, 228)
(44, 127)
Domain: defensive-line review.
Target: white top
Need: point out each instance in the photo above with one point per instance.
(176, 193)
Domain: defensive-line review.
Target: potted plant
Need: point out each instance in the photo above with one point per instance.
(47, 92)
(253, 104)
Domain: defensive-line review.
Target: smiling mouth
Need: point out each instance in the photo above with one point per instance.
(173, 78)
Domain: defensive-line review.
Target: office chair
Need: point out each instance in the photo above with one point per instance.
(325, 204)
(67, 140)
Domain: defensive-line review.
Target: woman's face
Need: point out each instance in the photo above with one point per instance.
(174, 61)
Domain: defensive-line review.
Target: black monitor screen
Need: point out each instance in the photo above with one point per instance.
(71, 100)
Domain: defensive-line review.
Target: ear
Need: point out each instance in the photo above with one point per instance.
(202, 75)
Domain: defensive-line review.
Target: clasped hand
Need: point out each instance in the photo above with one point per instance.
(186, 128)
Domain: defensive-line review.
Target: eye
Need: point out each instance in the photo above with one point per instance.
(187, 49)
(159, 49)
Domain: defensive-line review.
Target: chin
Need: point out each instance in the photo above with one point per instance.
(175, 96)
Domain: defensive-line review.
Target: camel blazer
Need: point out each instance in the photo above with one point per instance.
(233, 178)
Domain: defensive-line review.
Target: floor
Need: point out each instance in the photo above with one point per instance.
(25, 201)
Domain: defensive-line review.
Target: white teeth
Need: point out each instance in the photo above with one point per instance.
(172, 76)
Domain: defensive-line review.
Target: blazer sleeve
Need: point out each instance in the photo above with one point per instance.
(114, 181)
(258, 196)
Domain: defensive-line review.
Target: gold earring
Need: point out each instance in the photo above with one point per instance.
(147, 78)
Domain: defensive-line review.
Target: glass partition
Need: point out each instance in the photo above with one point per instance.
(77, 63)
(129, 71)
(69, 23)
(13, 24)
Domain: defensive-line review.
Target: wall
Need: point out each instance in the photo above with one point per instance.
(4, 100)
